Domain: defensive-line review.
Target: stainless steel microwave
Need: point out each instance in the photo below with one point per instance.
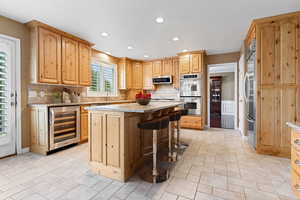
(162, 80)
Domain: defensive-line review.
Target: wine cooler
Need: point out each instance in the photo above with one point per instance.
(64, 126)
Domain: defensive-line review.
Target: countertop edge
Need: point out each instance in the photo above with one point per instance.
(295, 126)
(102, 108)
(79, 103)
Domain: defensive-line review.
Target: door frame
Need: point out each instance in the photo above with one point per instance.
(18, 114)
(224, 67)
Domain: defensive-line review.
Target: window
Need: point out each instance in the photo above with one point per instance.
(104, 80)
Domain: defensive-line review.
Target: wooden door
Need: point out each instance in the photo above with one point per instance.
(69, 61)
(184, 64)
(96, 135)
(176, 73)
(157, 68)
(84, 65)
(49, 57)
(83, 127)
(112, 138)
(196, 63)
(147, 76)
(167, 68)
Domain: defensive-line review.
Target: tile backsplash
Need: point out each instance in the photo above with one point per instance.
(48, 94)
(165, 92)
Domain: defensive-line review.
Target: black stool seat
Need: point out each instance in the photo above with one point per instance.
(155, 124)
(184, 112)
(175, 116)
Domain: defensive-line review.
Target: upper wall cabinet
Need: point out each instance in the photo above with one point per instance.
(157, 68)
(58, 57)
(147, 76)
(125, 74)
(137, 75)
(69, 61)
(84, 64)
(47, 56)
(167, 68)
(191, 62)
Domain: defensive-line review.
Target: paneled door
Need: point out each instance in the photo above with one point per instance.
(8, 55)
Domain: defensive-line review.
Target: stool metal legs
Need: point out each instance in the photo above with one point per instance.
(154, 172)
(170, 140)
(179, 145)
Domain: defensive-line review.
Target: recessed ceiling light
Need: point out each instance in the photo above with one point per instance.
(175, 38)
(129, 47)
(159, 20)
(146, 56)
(104, 34)
(184, 50)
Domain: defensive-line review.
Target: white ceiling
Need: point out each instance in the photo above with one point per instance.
(217, 26)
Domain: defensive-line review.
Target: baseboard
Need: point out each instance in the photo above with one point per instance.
(25, 150)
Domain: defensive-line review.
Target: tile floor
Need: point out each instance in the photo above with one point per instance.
(218, 165)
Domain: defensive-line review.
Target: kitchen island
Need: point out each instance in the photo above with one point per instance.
(116, 145)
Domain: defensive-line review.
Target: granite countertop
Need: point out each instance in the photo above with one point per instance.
(295, 126)
(80, 103)
(135, 107)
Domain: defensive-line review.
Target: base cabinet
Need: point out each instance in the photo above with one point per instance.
(112, 154)
(192, 122)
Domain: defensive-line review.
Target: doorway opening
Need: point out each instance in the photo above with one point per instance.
(222, 96)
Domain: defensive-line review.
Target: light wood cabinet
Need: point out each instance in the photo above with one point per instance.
(167, 68)
(196, 63)
(84, 65)
(69, 61)
(115, 146)
(125, 74)
(58, 57)
(184, 64)
(83, 127)
(176, 78)
(278, 81)
(157, 68)
(84, 134)
(147, 76)
(192, 62)
(49, 57)
(192, 122)
(137, 74)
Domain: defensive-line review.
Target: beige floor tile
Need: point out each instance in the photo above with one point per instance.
(228, 195)
(168, 196)
(182, 187)
(204, 188)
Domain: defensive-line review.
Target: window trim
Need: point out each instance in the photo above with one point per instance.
(104, 94)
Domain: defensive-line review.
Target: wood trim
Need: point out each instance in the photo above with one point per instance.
(35, 23)
(275, 17)
(192, 52)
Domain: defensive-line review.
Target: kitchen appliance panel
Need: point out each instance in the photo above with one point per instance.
(190, 85)
(64, 123)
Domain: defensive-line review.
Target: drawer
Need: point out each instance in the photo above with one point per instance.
(191, 122)
(295, 183)
(295, 140)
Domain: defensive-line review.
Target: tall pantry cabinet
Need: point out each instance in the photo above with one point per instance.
(277, 81)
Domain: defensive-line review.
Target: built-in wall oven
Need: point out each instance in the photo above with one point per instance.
(64, 125)
(190, 92)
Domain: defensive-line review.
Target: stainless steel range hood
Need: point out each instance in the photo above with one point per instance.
(162, 80)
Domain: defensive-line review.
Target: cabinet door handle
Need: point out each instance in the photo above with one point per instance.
(297, 187)
(297, 142)
(297, 162)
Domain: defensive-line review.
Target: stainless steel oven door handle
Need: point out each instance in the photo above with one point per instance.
(246, 84)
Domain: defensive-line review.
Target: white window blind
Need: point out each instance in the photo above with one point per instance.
(103, 80)
(4, 96)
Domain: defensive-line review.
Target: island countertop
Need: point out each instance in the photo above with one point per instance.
(135, 107)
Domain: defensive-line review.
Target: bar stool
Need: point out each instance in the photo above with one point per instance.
(174, 117)
(155, 125)
(180, 146)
